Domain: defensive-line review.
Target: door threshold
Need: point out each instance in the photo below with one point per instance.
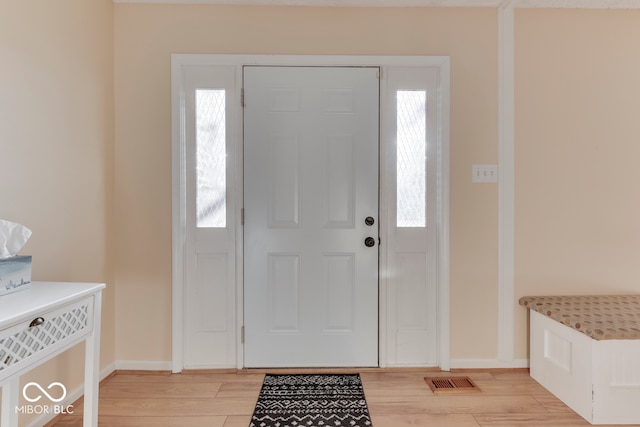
(337, 370)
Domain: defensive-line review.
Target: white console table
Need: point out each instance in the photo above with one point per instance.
(38, 324)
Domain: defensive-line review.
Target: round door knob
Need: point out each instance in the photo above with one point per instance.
(369, 221)
(369, 242)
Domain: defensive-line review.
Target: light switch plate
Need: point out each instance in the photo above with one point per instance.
(484, 173)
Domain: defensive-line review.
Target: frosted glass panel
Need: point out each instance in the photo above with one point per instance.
(411, 158)
(211, 170)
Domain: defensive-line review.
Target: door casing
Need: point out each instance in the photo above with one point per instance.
(183, 61)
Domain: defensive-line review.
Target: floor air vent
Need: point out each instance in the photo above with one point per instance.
(451, 385)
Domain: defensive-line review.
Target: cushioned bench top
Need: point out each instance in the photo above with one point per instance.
(601, 317)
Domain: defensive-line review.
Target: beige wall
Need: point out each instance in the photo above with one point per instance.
(577, 147)
(146, 36)
(98, 185)
(56, 143)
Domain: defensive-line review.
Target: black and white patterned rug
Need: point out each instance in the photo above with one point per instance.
(311, 401)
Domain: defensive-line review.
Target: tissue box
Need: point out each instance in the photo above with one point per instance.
(15, 274)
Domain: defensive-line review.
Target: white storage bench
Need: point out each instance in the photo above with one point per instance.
(586, 351)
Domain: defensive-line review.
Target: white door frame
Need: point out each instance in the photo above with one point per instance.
(178, 62)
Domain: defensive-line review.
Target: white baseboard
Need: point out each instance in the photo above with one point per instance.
(107, 370)
(143, 365)
(72, 396)
(488, 364)
(125, 365)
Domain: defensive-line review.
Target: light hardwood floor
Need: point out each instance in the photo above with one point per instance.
(395, 398)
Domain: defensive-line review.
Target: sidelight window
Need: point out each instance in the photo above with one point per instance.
(411, 137)
(211, 171)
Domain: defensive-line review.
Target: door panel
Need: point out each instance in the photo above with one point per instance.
(339, 182)
(284, 181)
(209, 218)
(283, 290)
(338, 293)
(311, 178)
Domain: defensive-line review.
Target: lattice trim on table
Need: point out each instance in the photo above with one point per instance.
(23, 344)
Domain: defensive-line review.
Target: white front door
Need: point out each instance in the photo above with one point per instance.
(311, 150)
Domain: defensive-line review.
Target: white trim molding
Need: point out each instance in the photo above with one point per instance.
(143, 365)
(488, 364)
(506, 183)
(179, 215)
(442, 219)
